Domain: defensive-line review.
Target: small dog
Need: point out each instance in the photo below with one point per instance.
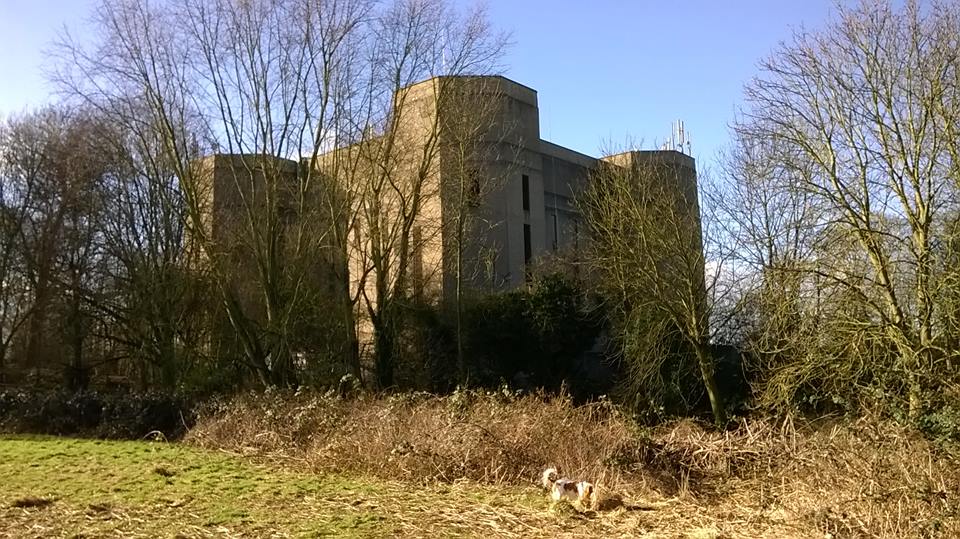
(561, 488)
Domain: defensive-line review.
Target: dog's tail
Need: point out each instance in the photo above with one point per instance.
(550, 476)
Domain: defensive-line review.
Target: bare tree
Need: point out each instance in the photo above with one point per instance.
(478, 156)
(400, 207)
(284, 83)
(154, 305)
(262, 79)
(857, 115)
(53, 169)
(770, 227)
(643, 217)
(19, 159)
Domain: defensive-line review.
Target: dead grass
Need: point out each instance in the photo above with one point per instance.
(110, 489)
(851, 478)
(492, 439)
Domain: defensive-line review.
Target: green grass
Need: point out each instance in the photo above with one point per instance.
(158, 489)
(61, 487)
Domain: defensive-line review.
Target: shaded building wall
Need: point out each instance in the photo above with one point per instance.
(567, 175)
(525, 215)
(255, 208)
(529, 215)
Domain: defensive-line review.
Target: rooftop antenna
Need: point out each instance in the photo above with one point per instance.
(443, 51)
(679, 139)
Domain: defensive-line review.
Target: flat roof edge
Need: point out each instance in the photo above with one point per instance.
(556, 150)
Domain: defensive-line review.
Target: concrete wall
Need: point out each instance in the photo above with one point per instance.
(506, 147)
(427, 146)
(495, 255)
(241, 197)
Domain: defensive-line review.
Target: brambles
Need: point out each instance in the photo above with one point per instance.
(789, 472)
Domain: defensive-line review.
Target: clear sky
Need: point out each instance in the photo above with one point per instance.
(26, 29)
(605, 70)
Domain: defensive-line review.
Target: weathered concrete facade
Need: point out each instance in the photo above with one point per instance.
(495, 199)
(266, 238)
(265, 227)
(529, 214)
(524, 212)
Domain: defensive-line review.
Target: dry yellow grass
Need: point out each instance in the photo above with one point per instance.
(57, 487)
(765, 477)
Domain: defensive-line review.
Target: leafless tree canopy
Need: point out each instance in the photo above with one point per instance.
(843, 202)
(219, 256)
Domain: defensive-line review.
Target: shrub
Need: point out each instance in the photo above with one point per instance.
(426, 349)
(534, 336)
(942, 424)
(491, 436)
(659, 377)
(108, 415)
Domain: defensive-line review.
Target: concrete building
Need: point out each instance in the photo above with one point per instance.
(257, 222)
(495, 199)
(528, 213)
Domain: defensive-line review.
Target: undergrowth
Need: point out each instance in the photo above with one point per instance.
(116, 415)
(851, 478)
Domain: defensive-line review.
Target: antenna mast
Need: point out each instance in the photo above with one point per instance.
(679, 139)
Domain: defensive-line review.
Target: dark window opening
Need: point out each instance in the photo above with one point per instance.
(527, 248)
(556, 233)
(526, 192)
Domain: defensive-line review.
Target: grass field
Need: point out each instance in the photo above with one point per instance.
(57, 487)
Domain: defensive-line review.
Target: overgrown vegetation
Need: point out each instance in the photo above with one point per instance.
(416, 476)
(842, 204)
(648, 262)
(469, 463)
(125, 415)
(867, 477)
(534, 338)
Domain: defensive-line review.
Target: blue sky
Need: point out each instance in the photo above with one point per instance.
(605, 70)
(26, 29)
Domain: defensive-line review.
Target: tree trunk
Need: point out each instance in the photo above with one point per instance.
(168, 358)
(384, 352)
(3, 358)
(914, 387)
(37, 325)
(705, 362)
(461, 360)
(352, 352)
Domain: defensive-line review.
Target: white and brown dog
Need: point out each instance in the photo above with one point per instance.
(569, 489)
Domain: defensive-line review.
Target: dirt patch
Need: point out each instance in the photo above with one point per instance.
(31, 502)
